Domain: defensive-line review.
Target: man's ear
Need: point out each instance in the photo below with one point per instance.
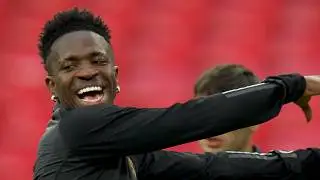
(116, 71)
(51, 85)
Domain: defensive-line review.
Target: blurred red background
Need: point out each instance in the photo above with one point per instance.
(161, 46)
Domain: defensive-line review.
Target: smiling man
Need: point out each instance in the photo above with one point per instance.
(93, 139)
(82, 73)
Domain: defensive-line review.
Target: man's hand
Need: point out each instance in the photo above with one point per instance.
(312, 89)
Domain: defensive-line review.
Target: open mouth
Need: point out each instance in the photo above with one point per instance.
(91, 94)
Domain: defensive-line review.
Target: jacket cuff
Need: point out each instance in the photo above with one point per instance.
(294, 85)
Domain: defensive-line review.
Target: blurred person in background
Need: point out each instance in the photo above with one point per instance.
(217, 80)
(93, 139)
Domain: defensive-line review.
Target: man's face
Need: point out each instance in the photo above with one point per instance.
(81, 70)
(238, 140)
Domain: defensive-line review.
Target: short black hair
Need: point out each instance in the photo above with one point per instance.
(67, 21)
(224, 78)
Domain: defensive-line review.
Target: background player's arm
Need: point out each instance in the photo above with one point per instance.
(107, 130)
(274, 165)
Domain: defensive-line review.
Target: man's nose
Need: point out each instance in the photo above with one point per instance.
(87, 73)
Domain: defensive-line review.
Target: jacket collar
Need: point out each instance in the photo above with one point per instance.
(55, 116)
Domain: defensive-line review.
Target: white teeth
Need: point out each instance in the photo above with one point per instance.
(89, 89)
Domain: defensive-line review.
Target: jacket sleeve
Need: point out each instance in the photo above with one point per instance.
(276, 165)
(107, 130)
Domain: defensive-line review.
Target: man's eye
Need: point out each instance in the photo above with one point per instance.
(100, 61)
(67, 67)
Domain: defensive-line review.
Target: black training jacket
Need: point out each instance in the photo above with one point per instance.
(108, 142)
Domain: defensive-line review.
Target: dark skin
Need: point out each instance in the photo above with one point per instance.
(77, 60)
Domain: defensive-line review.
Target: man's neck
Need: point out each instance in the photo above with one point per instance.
(250, 147)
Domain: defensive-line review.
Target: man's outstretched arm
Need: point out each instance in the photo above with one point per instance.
(276, 165)
(107, 130)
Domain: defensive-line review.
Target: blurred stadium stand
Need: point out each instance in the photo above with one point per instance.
(161, 47)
